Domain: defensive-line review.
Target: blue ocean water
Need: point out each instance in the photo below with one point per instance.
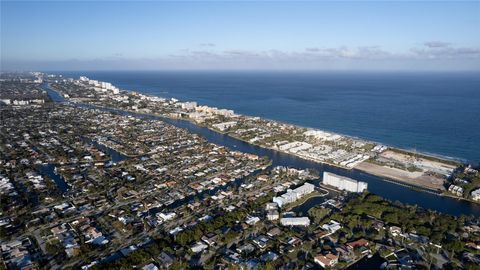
(438, 113)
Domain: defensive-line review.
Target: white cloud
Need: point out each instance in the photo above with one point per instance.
(436, 44)
(207, 45)
(430, 55)
(443, 50)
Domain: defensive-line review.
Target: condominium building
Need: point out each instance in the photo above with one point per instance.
(295, 221)
(293, 195)
(343, 183)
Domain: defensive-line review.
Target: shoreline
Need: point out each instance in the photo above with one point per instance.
(434, 156)
(409, 185)
(387, 179)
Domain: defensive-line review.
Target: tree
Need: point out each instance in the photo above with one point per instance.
(455, 246)
(390, 218)
(318, 213)
(53, 247)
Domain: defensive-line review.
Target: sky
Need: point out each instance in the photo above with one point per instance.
(251, 35)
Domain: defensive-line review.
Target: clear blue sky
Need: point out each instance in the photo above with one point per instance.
(240, 35)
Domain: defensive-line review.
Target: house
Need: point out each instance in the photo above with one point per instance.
(150, 266)
(473, 245)
(165, 259)
(273, 215)
(261, 241)
(128, 250)
(175, 230)
(269, 256)
(328, 260)
(274, 232)
(342, 251)
(263, 177)
(332, 226)
(475, 194)
(358, 243)
(198, 247)
(378, 225)
(252, 220)
(395, 230)
(271, 206)
(232, 257)
(210, 239)
(250, 264)
(294, 241)
(246, 249)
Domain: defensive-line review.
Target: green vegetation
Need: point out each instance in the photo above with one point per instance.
(360, 212)
(53, 247)
(228, 219)
(318, 214)
(184, 238)
(472, 178)
(139, 257)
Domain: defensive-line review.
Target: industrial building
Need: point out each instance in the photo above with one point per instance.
(343, 183)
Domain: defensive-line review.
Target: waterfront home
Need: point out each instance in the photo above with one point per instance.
(332, 226)
(325, 261)
(456, 190)
(358, 243)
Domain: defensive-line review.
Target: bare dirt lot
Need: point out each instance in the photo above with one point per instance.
(421, 163)
(413, 178)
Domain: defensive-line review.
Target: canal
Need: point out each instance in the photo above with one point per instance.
(376, 185)
(115, 156)
(49, 170)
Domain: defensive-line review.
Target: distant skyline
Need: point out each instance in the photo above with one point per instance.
(311, 35)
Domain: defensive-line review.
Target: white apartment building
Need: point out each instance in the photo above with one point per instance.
(456, 190)
(343, 183)
(188, 105)
(273, 215)
(224, 126)
(293, 195)
(295, 221)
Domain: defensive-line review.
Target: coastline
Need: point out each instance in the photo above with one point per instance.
(397, 181)
(433, 156)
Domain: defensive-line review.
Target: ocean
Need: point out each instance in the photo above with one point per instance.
(436, 113)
